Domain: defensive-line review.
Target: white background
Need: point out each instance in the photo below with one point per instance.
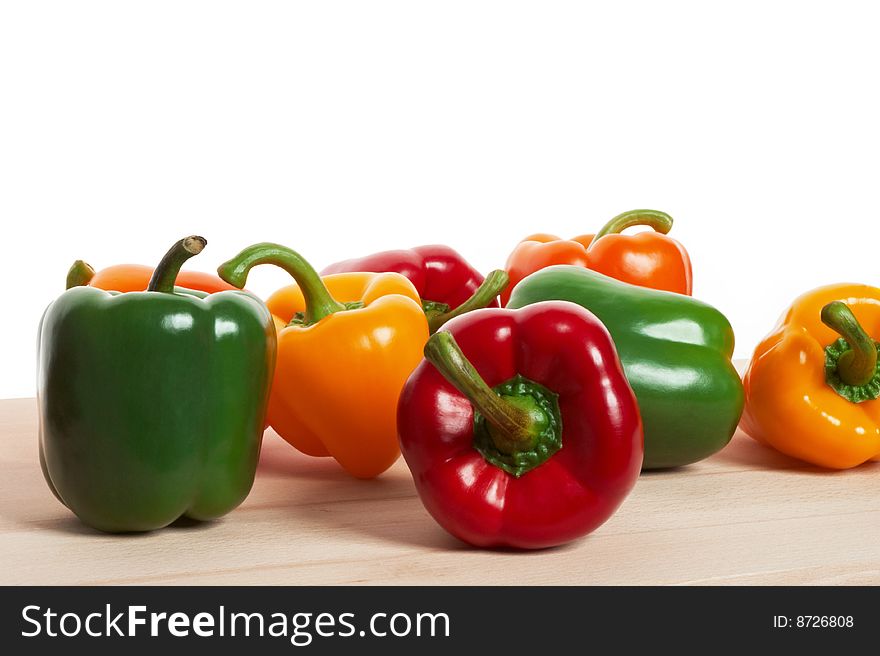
(340, 128)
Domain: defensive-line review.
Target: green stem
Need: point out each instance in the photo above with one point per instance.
(79, 274)
(166, 272)
(514, 427)
(319, 302)
(858, 365)
(660, 221)
(493, 285)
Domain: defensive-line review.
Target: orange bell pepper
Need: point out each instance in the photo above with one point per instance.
(648, 259)
(346, 345)
(136, 278)
(812, 384)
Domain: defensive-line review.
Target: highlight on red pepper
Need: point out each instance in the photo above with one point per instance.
(441, 275)
(136, 278)
(520, 428)
(647, 259)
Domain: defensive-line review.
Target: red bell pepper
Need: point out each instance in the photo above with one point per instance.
(439, 273)
(520, 428)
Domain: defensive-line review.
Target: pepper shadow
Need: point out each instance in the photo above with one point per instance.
(745, 452)
(39, 509)
(68, 525)
(72, 525)
(386, 509)
(403, 521)
(279, 459)
(329, 497)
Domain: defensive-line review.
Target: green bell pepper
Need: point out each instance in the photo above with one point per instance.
(675, 352)
(152, 404)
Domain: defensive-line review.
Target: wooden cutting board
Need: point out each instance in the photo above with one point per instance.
(745, 516)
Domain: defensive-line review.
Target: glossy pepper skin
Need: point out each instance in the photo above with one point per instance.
(675, 351)
(804, 395)
(346, 344)
(152, 403)
(519, 427)
(648, 259)
(136, 278)
(439, 273)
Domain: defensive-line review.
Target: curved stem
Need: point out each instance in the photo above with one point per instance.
(166, 272)
(493, 285)
(319, 302)
(80, 274)
(660, 221)
(856, 366)
(515, 424)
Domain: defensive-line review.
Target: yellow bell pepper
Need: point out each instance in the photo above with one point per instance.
(346, 345)
(812, 385)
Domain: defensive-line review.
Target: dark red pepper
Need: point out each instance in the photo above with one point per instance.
(520, 428)
(439, 273)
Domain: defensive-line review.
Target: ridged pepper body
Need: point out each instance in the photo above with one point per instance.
(346, 344)
(790, 404)
(152, 404)
(337, 381)
(552, 370)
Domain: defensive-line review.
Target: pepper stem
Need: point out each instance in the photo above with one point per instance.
(660, 221)
(858, 365)
(80, 274)
(319, 302)
(166, 272)
(514, 426)
(493, 285)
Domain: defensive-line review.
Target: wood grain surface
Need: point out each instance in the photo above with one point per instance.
(745, 516)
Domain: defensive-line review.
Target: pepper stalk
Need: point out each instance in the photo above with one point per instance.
(517, 425)
(438, 314)
(80, 274)
(166, 272)
(851, 361)
(660, 221)
(319, 302)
